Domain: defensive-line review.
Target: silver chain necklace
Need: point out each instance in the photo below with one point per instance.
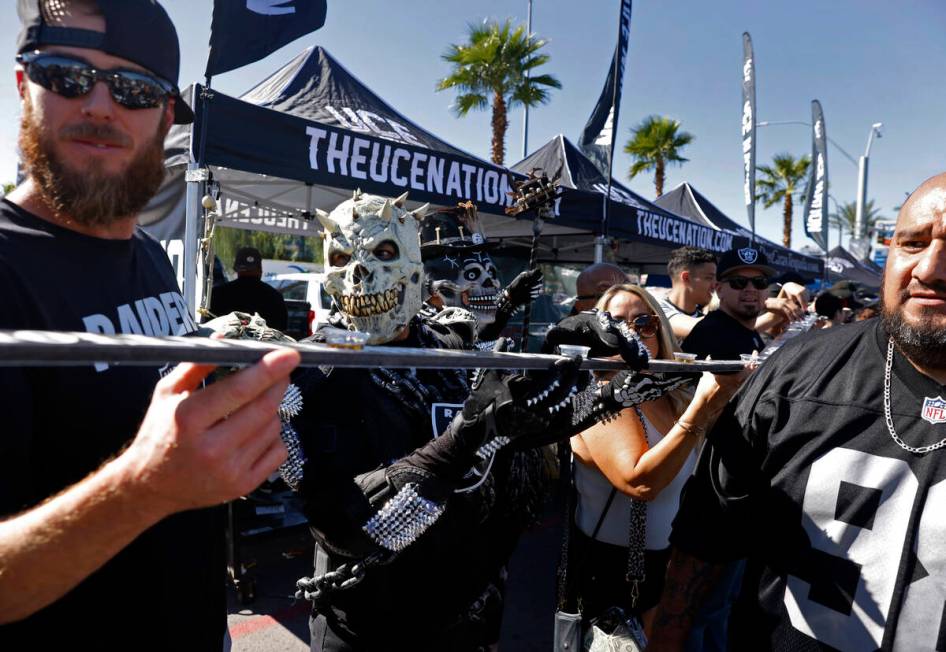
(893, 432)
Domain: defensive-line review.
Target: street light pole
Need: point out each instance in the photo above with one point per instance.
(773, 123)
(862, 181)
(525, 120)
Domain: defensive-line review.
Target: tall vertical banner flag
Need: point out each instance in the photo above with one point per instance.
(816, 200)
(244, 31)
(597, 138)
(748, 128)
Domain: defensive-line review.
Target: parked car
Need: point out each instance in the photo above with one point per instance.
(298, 288)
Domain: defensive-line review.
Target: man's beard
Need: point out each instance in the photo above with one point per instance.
(924, 344)
(747, 312)
(90, 196)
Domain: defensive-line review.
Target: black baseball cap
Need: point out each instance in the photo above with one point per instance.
(137, 30)
(248, 259)
(745, 258)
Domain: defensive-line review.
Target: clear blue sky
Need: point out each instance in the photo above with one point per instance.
(865, 60)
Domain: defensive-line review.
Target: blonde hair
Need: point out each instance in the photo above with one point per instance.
(666, 342)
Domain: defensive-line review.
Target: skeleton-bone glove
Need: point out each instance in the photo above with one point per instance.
(604, 335)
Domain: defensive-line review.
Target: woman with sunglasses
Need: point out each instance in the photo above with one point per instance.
(631, 470)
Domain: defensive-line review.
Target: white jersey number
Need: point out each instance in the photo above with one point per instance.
(856, 512)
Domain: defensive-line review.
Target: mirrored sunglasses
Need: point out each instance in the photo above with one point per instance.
(740, 282)
(645, 325)
(70, 78)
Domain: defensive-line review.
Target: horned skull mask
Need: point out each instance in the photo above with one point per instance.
(469, 279)
(373, 267)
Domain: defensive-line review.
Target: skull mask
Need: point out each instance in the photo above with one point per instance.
(373, 268)
(458, 268)
(468, 279)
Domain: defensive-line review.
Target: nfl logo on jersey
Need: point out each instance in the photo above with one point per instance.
(934, 410)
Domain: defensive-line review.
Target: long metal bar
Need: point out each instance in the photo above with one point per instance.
(59, 348)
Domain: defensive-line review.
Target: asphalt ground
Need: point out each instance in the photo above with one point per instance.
(274, 621)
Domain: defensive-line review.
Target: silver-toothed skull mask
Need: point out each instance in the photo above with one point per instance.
(466, 279)
(373, 266)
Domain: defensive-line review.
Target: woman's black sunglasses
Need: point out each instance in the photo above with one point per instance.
(740, 282)
(71, 78)
(645, 325)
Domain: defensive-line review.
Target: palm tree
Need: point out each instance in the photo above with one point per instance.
(845, 218)
(781, 181)
(654, 143)
(493, 67)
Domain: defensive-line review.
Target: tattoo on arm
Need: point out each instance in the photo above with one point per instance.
(689, 582)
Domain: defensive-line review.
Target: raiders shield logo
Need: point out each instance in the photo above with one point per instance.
(441, 414)
(748, 255)
(934, 410)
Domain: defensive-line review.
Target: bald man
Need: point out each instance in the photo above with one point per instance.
(592, 283)
(828, 473)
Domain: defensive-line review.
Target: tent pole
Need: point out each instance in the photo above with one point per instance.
(192, 225)
(196, 178)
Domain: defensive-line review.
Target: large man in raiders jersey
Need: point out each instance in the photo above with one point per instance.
(828, 472)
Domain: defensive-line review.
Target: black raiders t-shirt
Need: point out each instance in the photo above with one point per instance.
(62, 423)
(844, 530)
(721, 337)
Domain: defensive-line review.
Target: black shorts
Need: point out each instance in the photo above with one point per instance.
(598, 573)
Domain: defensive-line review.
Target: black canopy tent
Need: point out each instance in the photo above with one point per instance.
(311, 132)
(841, 265)
(305, 138)
(686, 200)
(643, 233)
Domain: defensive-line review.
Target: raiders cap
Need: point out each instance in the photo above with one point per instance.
(745, 258)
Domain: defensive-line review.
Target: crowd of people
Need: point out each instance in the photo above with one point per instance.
(794, 505)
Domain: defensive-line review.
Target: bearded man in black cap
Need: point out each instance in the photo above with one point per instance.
(743, 278)
(101, 521)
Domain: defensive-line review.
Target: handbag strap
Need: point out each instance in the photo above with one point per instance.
(566, 475)
(568, 495)
(636, 536)
(604, 512)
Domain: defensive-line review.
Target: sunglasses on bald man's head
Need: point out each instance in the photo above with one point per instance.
(70, 77)
(741, 282)
(645, 325)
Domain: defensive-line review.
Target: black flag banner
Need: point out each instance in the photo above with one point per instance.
(816, 199)
(597, 138)
(244, 31)
(748, 127)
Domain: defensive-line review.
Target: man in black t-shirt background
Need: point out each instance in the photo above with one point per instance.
(744, 276)
(104, 469)
(828, 472)
(247, 293)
